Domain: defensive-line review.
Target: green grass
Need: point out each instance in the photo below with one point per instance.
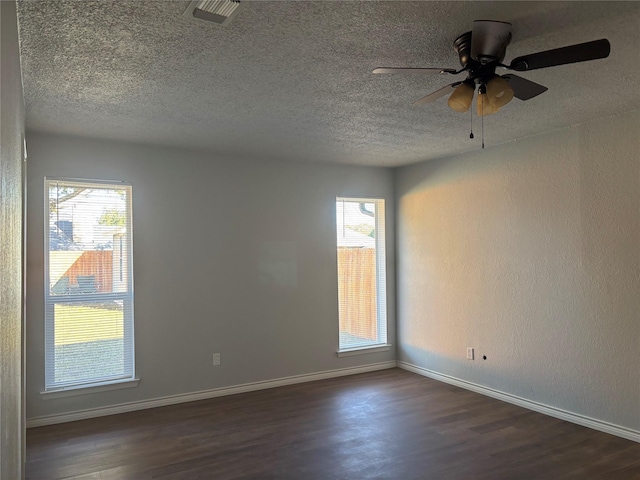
(79, 324)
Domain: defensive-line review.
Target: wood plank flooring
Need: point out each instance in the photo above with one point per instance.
(390, 424)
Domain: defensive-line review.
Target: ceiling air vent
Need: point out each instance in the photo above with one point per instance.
(216, 11)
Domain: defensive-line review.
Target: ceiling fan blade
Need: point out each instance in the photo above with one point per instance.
(433, 96)
(581, 52)
(524, 89)
(414, 70)
(489, 40)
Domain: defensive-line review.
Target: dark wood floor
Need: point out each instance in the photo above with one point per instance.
(388, 425)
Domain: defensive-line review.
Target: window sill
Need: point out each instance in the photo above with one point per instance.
(87, 389)
(363, 350)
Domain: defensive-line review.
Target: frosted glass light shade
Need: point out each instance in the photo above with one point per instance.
(499, 92)
(461, 98)
(487, 108)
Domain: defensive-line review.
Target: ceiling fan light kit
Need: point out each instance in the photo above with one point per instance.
(481, 51)
(484, 106)
(499, 92)
(461, 98)
(496, 94)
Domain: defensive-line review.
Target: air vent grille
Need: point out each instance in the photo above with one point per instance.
(216, 11)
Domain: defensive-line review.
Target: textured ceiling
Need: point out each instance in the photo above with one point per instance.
(293, 79)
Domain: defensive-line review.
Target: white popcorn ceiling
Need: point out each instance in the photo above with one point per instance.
(292, 80)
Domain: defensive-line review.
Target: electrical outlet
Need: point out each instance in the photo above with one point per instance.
(216, 359)
(469, 353)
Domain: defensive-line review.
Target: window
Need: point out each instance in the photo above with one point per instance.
(88, 284)
(362, 306)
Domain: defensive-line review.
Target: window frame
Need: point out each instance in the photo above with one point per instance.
(381, 343)
(129, 379)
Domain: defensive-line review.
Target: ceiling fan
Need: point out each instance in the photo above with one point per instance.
(481, 52)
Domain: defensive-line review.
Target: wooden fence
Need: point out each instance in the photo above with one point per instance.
(357, 291)
(94, 267)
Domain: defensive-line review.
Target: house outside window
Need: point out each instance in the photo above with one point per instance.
(362, 306)
(88, 284)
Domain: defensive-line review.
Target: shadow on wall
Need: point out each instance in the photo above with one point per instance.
(438, 172)
(495, 373)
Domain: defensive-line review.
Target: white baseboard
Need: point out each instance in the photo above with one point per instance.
(606, 427)
(600, 425)
(201, 395)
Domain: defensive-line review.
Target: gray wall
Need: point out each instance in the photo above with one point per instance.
(204, 228)
(529, 252)
(11, 398)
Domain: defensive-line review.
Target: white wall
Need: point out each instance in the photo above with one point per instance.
(11, 168)
(529, 252)
(203, 228)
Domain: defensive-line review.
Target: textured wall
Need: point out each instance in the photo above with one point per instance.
(206, 231)
(11, 412)
(529, 252)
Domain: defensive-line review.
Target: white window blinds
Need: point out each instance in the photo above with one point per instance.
(88, 284)
(362, 306)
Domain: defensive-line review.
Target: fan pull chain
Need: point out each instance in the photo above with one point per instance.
(471, 118)
(482, 120)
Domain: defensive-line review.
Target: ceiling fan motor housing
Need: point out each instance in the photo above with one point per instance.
(482, 49)
(462, 46)
(489, 41)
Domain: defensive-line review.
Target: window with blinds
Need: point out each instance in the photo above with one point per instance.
(362, 308)
(88, 284)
